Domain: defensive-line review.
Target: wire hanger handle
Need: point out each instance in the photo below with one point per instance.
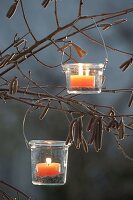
(24, 121)
(103, 41)
(28, 111)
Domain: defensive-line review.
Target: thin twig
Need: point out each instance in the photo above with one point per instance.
(26, 21)
(80, 8)
(29, 79)
(14, 188)
(56, 14)
(45, 65)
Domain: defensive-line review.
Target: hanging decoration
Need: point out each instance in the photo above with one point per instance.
(49, 162)
(48, 157)
(84, 78)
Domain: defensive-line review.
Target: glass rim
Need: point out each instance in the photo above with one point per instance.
(53, 143)
(89, 65)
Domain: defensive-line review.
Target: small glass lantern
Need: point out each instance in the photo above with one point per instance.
(84, 78)
(49, 162)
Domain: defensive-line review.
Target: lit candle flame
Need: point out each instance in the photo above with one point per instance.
(80, 69)
(48, 161)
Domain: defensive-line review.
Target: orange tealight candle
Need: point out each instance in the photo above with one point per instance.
(48, 168)
(82, 81)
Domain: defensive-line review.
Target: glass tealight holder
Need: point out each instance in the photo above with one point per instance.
(49, 162)
(84, 78)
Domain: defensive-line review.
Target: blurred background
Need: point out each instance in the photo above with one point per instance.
(94, 176)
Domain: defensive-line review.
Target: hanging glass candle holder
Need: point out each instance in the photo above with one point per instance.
(49, 162)
(84, 78)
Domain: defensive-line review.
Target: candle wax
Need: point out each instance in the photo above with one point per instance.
(82, 81)
(44, 169)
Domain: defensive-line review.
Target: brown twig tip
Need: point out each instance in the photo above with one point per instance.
(93, 130)
(19, 42)
(119, 21)
(12, 9)
(44, 112)
(108, 25)
(80, 8)
(130, 100)
(13, 87)
(112, 113)
(121, 129)
(45, 3)
(81, 52)
(98, 135)
(70, 137)
(104, 26)
(124, 66)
